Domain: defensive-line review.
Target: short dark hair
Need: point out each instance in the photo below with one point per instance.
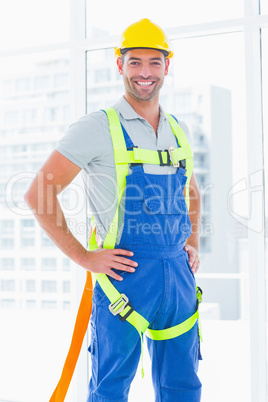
(123, 51)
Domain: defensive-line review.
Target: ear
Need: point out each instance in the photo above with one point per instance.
(119, 65)
(167, 66)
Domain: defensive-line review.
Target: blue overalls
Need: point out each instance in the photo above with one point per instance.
(163, 290)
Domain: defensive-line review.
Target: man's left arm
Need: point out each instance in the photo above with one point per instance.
(192, 243)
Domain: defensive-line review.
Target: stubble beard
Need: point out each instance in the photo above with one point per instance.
(131, 88)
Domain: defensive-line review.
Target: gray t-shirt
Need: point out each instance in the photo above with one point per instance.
(88, 144)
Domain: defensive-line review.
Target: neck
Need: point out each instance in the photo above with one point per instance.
(149, 110)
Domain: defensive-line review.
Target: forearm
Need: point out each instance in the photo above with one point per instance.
(194, 215)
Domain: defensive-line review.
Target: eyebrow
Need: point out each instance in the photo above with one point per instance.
(137, 58)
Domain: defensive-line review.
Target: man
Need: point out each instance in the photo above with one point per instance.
(149, 251)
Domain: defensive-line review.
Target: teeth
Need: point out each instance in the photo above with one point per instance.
(146, 83)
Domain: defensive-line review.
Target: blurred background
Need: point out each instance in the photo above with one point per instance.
(57, 64)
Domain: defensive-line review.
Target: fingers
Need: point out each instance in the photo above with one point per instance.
(125, 261)
(195, 267)
(109, 259)
(122, 252)
(193, 258)
(122, 263)
(112, 274)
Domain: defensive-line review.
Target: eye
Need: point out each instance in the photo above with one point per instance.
(134, 63)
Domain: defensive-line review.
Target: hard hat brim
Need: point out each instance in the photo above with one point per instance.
(120, 51)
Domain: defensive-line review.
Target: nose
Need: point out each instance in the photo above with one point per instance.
(145, 71)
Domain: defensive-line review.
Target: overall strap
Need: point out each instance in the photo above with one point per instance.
(128, 140)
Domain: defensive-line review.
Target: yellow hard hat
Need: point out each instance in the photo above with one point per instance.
(144, 34)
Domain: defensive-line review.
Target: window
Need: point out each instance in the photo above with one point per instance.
(22, 84)
(48, 304)
(43, 29)
(7, 264)
(265, 153)
(51, 114)
(208, 89)
(66, 264)
(29, 116)
(27, 91)
(41, 83)
(66, 286)
(49, 286)
(8, 303)
(28, 264)
(8, 285)
(27, 233)
(30, 304)
(7, 227)
(66, 305)
(11, 118)
(7, 87)
(7, 234)
(185, 13)
(45, 240)
(30, 285)
(48, 264)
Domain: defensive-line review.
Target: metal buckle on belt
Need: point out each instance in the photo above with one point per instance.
(114, 307)
(176, 163)
(170, 151)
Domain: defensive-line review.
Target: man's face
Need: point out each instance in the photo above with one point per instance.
(143, 72)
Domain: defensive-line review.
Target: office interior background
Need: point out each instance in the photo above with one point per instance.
(57, 64)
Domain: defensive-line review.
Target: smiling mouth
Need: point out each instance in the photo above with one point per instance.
(144, 84)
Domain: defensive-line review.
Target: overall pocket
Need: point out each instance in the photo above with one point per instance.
(160, 220)
(93, 350)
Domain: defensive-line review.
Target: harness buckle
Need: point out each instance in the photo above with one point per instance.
(175, 162)
(161, 159)
(199, 293)
(117, 307)
(134, 164)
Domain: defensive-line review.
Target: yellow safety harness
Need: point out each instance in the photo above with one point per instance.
(119, 303)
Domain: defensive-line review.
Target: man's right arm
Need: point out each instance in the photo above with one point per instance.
(54, 176)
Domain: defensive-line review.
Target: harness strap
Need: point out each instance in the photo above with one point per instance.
(173, 332)
(80, 328)
(139, 155)
(184, 143)
(121, 172)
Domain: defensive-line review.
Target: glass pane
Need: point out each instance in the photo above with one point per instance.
(264, 6)
(37, 282)
(205, 88)
(265, 136)
(172, 15)
(33, 23)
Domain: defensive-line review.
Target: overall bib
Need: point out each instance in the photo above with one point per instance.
(162, 290)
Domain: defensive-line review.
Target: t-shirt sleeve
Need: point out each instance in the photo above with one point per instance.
(187, 132)
(83, 140)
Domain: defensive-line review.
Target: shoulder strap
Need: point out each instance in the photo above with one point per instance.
(184, 144)
(119, 145)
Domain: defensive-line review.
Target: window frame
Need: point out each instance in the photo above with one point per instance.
(251, 24)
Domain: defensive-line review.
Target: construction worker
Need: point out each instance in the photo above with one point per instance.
(137, 167)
